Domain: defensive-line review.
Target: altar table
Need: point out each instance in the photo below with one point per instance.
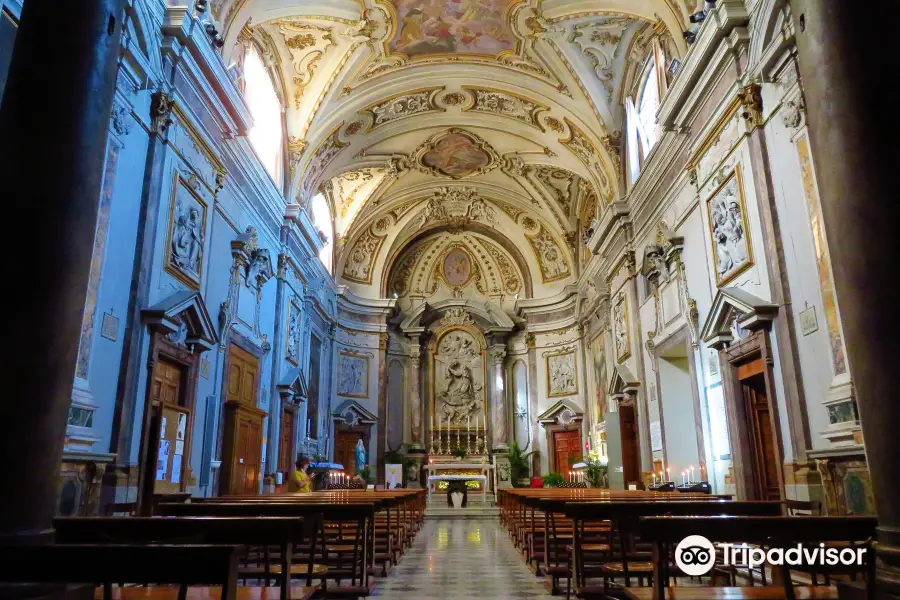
(481, 478)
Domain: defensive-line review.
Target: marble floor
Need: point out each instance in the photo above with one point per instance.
(464, 559)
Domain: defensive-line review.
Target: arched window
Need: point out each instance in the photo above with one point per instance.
(642, 130)
(266, 134)
(321, 217)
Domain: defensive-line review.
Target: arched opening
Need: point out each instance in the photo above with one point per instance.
(321, 217)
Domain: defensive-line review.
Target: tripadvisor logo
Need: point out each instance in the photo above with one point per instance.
(695, 555)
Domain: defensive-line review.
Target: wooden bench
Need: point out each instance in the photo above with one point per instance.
(356, 518)
(767, 532)
(281, 532)
(619, 553)
(105, 564)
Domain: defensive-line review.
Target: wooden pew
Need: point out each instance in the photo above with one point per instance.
(105, 564)
(623, 556)
(768, 532)
(358, 518)
(283, 532)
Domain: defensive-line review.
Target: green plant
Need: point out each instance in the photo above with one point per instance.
(459, 452)
(595, 470)
(399, 457)
(518, 463)
(365, 473)
(553, 480)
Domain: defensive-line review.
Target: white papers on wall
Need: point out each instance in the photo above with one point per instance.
(162, 462)
(176, 469)
(656, 442)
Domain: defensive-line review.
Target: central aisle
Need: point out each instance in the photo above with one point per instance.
(460, 559)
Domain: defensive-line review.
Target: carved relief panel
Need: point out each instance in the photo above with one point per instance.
(458, 391)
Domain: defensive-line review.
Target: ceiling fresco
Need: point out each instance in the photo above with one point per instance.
(390, 103)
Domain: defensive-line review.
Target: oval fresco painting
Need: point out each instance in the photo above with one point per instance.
(446, 26)
(456, 156)
(457, 267)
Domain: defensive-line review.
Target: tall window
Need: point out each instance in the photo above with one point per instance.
(642, 131)
(265, 107)
(321, 216)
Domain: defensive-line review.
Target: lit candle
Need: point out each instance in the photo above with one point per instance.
(654, 478)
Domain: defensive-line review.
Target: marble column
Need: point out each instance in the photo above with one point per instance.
(60, 139)
(498, 414)
(417, 428)
(850, 101)
(381, 443)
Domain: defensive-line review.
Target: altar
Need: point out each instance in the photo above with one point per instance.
(439, 472)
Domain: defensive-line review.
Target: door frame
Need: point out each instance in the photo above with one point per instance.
(681, 337)
(630, 403)
(161, 347)
(757, 345)
(551, 431)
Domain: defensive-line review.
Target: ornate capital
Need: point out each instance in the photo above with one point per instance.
(496, 354)
(792, 114)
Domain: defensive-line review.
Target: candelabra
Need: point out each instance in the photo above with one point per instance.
(432, 439)
(440, 448)
(457, 438)
(469, 442)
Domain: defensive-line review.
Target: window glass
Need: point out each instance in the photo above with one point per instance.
(266, 133)
(321, 216)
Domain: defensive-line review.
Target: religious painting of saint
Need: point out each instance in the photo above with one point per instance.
(448, 26)
(457, 267)
(457, 156)
(728, 229)
(186, 235)
(458, 379)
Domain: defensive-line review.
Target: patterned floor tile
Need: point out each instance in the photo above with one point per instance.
(461, 559)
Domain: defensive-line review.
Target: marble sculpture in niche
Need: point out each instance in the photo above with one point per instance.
(187, 241)
(561, 377)
(353, 375)
(728, 229)
(620, 328)
(292, 352)
(459, 377)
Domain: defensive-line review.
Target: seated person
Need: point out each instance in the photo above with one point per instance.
(300, 481)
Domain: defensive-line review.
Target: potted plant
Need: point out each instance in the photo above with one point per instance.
(366, 474)
(595, 470)
(398, 457)
(552, 480)
(518, 465)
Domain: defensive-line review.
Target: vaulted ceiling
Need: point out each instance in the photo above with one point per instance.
(404, 112)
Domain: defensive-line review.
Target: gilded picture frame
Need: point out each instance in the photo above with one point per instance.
(565, 364)
(720, 204)
(357, 385)
(183, 223)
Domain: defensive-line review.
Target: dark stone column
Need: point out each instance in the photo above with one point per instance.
(54, 123)
(851, 94)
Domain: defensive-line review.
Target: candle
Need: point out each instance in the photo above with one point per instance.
(668, 473)
(654, 479)
(692, 473)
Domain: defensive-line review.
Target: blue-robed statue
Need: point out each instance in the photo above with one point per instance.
(360, 456)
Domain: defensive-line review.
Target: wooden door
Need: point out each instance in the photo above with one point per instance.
(345, 449)
(764, 449)
(631, 447)
(286, 441)
(242, 447)
(170, 423)
(243, 376)
(566, 450)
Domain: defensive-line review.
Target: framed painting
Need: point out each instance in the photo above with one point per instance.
(353, 375)
(729, 234)
(185, 241)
